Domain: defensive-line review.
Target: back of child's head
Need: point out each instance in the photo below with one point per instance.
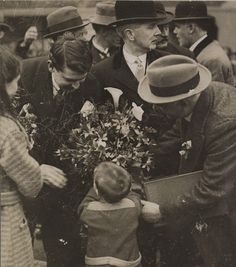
(112, 181)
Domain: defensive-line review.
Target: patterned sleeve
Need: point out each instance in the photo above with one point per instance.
(19, 165)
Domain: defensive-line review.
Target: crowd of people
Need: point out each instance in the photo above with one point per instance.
(190, 84)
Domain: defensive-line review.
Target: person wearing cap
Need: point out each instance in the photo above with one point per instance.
(52, 92)
(4, 27)
(192, 24)
(137, 25)
(105, 41)
(66, 21)
(203, 138)
(164, 41)
(111, 213)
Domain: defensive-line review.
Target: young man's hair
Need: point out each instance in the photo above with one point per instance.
(10, 69)
(72, 53)
(112, 181)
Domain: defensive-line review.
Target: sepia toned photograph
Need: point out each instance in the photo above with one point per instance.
(117, 133)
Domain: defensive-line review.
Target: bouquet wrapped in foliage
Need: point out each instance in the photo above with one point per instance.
(108, 134)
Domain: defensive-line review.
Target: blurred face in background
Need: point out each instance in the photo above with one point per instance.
(12, 86)
(162, 41)
(111, 37)
(182, 32)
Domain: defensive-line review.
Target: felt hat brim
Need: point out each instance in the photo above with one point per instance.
(145, 93)
(50, 34)
(167, 19)
(194, 18)
(6, 27)
(102, 20)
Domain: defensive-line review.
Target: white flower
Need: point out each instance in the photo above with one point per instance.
(87, 108)
(137, 111)
(115, 93)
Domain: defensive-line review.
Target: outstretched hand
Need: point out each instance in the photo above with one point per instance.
(53, 176)
(150, 211)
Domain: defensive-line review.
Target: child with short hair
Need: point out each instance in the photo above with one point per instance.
(111, 212)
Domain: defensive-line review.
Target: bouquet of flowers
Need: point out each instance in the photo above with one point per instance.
(108, 134)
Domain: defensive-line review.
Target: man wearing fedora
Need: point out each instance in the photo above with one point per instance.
(192, 24)
(4, 27)
(202, 139)
(137, 25)
(66, 21)
(106, 41)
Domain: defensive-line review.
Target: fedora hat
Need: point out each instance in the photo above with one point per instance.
(3, 26)
(130, 11)
(64, 19)
(194, 10)
(161, 9)
(172, 78)
(105, 14)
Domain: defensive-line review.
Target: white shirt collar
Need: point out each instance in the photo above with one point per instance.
(99, 48)
(197, 42)
(130, 59)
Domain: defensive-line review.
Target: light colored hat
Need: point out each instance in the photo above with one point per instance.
(105, 14)
(64, 19)
(172, 78)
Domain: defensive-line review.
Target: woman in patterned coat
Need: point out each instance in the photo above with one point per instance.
(20, 174)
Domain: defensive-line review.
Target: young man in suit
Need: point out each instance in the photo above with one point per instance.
(51, 87)
(192, 24)
(105, 41)
(203, 138)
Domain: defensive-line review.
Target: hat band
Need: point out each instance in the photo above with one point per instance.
(176, 90)
(66, 24)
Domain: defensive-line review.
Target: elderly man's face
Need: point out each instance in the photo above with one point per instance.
(181, 108)
(146, 35)
(182, 33)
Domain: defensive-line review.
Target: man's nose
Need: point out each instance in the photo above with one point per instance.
(157, 30)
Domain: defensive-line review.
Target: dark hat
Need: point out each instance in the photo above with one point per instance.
(105, 13)
(128, 11)
(5, 27)
(64, 19)
(172, 78)
(161, 9)
(194, 10)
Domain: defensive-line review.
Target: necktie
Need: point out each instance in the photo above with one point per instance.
(140, 71)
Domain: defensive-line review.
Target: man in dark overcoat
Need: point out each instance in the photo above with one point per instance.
(202, 139)
(137, 24)
(106, 41)
(51, 86)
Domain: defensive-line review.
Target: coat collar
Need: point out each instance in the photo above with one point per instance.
(123, 73)
(202, 45)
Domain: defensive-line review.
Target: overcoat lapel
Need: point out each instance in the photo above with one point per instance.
(195, 158)
(123, 73)
(42, 98)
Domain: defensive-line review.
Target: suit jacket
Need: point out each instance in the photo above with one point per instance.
(114, 72)
(210, 54)
(97, 55)
(212, 131)
(179, 50)
(37, 83)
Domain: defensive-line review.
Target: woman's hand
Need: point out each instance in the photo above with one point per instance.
(150, 211)
(53, 176)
